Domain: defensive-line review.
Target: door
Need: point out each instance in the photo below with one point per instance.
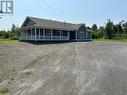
(72, 35)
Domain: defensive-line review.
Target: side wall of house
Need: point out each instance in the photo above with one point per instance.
(89, 35)
(83, 34)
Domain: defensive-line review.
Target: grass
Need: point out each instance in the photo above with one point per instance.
(28, 72)
(8, 40)
(112, 40)
(4, 90)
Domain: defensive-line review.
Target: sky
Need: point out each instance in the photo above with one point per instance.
(75, 11)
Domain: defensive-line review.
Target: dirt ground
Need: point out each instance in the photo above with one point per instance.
(78, 68)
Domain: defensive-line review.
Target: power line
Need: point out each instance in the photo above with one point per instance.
(51, 9)
(39, 5)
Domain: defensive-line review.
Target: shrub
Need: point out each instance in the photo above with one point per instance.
(28, 73)
(4, 90)
(14, 38)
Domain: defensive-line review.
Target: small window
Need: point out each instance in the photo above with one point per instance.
(81, 34)
(41, 31)
(48, 32)
(37, 30)
(64, 33)
(56, 33)
(29, 32)
(33, 31)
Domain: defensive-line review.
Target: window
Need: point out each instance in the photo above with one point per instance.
(48, 32)
(37, 30)
(56, 33)
(29, 32)
(81, 34)
(64, 33)
(33, 31)
(25, 32)
(41, 31)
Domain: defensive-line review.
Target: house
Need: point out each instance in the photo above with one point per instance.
(36, 29)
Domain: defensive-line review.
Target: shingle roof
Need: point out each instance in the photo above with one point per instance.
(53, 24)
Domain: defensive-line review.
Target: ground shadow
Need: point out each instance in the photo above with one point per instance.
(51, 42)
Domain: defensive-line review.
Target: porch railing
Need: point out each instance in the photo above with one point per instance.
(44, 37)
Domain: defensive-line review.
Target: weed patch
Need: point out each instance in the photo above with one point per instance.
(4, 90)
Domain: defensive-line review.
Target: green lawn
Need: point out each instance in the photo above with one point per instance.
(112, 40)
(8, 40)
(104, 40)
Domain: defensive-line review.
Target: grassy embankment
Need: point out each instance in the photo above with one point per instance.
(8, 40)
(111, 40)
(101, 39)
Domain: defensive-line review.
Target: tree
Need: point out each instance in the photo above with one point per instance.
(4, 34)
(101, 31)
(94, 31)
(125, 29)
(15, 31)
(115, 29)
(109, 29)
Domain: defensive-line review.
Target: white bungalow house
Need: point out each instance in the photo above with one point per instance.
(36, 29)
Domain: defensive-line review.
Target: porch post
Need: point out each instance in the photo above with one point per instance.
(44, 34)
(68, 35)
(76, 34)
(31, 34)
(26, 37)
(35, 35)
(39, 33)
(60, 35)
(51, 34)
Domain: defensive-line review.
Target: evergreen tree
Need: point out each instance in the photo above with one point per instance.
(125, 30)
(94, 31)
(109, 29)
(101, 31)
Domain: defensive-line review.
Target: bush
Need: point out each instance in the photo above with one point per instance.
(28, 73)
(4, 90)
(14, 38)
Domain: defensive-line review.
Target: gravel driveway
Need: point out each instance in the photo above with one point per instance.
(78, 68)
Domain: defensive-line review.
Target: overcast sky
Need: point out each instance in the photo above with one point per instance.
(75, 11)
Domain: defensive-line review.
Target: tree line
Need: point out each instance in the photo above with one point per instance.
(13, 33)
(110, 30)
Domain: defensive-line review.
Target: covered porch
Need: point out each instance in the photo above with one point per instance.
(44, 34)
